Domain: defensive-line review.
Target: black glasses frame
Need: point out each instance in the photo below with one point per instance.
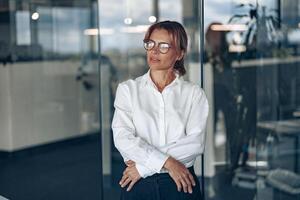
(159, 45)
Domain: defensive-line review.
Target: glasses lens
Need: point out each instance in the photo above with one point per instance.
(148, 45)
(164, 47)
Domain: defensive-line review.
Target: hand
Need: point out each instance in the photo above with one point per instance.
(180, 174)
(130, 163)
(130, 175)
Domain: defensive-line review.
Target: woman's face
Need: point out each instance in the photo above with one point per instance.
(157, 60)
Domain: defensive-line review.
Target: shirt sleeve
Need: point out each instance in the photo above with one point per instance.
(126, 139)
(192, 145)
(144, 171)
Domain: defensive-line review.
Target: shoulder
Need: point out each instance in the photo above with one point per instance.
(130, 83)
(197, 95)
(125, 84)
(192, 88)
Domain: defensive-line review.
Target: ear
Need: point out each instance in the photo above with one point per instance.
(180, 55)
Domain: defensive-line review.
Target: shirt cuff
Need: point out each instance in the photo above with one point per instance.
(144, 171)
(156, 161)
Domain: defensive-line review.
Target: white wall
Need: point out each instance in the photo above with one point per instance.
(209, 156)
(45, 103)
(39, 103)
(106, 115)
(194, 73)
(5, 109)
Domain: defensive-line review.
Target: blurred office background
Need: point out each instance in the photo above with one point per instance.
(60, 64)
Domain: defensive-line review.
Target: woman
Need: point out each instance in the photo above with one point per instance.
(159, 121)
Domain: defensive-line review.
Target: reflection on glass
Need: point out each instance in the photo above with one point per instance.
(49, 81)
(23, 27)
(252, 54)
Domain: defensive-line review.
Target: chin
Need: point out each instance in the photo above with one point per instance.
(159, 68)
(155, 67)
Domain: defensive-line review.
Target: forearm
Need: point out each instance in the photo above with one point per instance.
(138, 150)
(186, 149)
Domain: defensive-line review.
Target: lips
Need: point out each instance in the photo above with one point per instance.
(153, 59)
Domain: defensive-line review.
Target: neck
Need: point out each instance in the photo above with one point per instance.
(162, 78)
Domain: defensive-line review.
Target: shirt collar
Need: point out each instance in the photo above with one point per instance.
(146, 79)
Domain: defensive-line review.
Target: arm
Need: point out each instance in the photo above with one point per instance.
(192, 145)
(189, 147)
(127, 142)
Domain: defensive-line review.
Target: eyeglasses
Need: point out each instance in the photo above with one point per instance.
(162, 46)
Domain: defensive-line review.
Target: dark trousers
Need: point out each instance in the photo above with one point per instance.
(160, 187)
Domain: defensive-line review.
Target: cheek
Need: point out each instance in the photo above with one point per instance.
(171, 59)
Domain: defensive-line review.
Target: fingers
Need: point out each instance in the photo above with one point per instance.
(178, 184)
(180, 174)
(184, 181)
(192, 179)
(130, 176)
(190, 190)
(124, 177)
(184, 185)
(125, 182)
(188, 184)
(131, 184)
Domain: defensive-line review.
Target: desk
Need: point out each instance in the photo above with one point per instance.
(287, 128)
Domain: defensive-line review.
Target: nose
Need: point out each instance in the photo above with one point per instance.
(155, 50)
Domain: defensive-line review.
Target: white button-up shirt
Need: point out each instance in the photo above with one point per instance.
(149, 126)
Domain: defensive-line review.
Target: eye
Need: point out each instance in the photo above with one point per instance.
(148, 45)
(164, 47)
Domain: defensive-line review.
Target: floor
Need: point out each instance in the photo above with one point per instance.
(70, 170)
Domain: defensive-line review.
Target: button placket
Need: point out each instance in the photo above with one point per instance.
(162, 120)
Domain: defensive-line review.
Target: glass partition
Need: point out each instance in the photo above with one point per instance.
(122, 28)
(49, 94)
(278, 100)
(52, 89)
(251, 51)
